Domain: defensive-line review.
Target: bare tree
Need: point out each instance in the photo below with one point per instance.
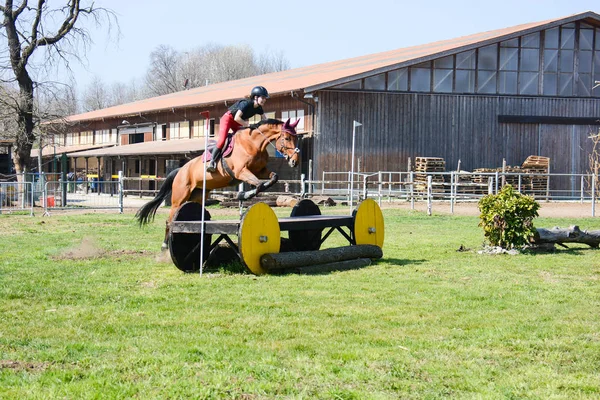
(37, 36)
(164, 75)
(171, 71)
(96, 95)
(272, 61)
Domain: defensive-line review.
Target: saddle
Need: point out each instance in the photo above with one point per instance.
(227, 148)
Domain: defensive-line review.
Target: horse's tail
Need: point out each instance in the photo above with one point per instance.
(146, 213)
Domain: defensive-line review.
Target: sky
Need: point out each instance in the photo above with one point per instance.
(308, 32)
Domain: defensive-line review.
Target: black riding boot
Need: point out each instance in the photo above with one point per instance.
(212, 165)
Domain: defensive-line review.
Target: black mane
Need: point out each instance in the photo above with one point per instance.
(270, 121)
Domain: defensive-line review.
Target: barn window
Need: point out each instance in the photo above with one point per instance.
(531, 41)
(551, 38)
(376, 82)
(398, 79)
(567, 36)
(465, 72)
(350, 85)
(550, 84)
(443, 76)
(465, 60)
(509, 57)
(486, 81)
(487, 58)
(507, 82)
(529, 83)
(565, 84)
(566, 60)
(465, 81)
(586, 39)
(420, 77)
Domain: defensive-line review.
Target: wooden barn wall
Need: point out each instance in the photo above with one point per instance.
(466, 128)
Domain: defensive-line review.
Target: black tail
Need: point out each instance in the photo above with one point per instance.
(146, 214)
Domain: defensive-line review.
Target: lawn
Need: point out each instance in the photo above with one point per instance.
(89, 308)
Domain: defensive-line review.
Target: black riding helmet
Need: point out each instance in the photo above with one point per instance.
(259, 91)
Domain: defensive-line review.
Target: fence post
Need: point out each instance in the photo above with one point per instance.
(490, 185)
(120, 192)
(302, 185)
(365, 187)
(412, 190)
(452, 191)
(582, 191)
(594, 194)
(429, 193)
(497, 179)
(379, 187)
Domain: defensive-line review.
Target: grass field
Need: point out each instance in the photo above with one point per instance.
(90, 309)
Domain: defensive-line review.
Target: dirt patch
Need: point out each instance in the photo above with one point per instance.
(24, 365)
(87, 249)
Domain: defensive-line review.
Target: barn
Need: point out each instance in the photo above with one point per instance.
(481, 99)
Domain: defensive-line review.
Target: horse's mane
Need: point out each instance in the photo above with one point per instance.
(270, 121)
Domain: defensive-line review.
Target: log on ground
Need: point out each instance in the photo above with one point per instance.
(295, 259)
(560, 236)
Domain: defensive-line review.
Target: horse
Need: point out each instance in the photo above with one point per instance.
(246, 163)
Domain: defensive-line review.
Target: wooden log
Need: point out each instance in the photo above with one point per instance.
(295, 259)
(560, 236)
(286, 201)
(329, 267)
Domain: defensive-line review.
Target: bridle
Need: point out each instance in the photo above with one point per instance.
(283, 149)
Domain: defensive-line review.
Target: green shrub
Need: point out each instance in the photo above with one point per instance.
(507, 218)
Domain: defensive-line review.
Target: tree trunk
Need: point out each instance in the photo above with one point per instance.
(560, 236)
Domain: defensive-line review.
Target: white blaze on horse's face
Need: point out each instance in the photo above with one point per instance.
(290, 148)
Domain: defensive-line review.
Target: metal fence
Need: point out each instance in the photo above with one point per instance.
(453, 186)
(51, 192)
(16, 197)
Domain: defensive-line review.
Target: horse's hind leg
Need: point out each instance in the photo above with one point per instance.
(165, 244)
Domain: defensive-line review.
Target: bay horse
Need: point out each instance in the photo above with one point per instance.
(246, 163)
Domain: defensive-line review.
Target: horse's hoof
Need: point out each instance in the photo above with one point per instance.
(164, 247)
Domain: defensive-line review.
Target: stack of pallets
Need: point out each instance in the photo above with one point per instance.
(425, 166)
(536, 184)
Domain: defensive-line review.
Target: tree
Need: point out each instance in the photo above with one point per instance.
(96, 95)
(171, 71)
(38, 36)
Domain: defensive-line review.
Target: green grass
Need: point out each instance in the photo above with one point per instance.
(90, 309)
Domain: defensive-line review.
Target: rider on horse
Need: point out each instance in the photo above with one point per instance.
(237, 117)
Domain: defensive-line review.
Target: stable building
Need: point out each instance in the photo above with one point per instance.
(478, 100)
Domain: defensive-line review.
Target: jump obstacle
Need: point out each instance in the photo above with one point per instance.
(259, 237)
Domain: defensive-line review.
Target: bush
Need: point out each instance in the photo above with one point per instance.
(507, 218)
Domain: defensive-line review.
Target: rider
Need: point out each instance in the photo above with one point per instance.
(237, 117)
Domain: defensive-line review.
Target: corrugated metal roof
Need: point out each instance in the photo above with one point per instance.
(174, 146)
(322, 75)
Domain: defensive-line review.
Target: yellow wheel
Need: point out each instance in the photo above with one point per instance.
(259, 234)
(368, 224)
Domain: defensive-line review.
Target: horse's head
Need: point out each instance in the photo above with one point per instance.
(287, 142)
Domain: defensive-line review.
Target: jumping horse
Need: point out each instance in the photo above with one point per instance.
(246, 163)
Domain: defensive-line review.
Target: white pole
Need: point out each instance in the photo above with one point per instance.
(355, 124)
(206, 132)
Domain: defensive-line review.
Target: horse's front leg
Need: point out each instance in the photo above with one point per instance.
(253, 180)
